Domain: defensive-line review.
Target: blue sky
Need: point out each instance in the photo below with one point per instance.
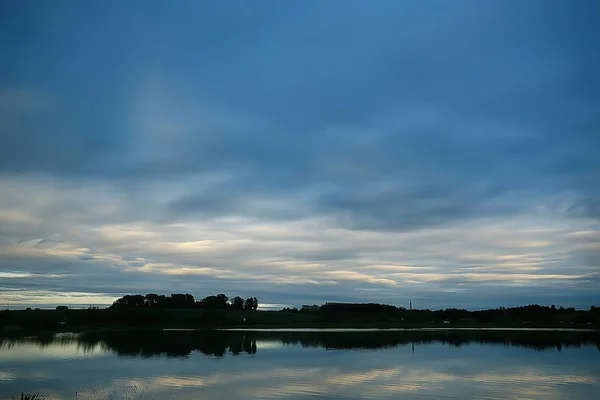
(445, 152)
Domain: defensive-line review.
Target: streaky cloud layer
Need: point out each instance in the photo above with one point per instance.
(301, 152)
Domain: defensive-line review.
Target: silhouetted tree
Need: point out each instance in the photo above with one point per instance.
(237, 303)
(130, 301)
(251, 303)
(156, 301)
(214, 302)
(179, 300)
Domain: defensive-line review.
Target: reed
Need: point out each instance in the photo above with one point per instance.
(30, 396)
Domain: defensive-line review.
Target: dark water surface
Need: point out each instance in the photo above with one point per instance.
(303, 365)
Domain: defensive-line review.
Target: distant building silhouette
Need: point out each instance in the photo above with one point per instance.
(314, 307)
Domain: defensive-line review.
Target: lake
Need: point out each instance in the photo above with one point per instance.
(304, 365)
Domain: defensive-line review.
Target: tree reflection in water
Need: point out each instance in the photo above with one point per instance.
(214, 343)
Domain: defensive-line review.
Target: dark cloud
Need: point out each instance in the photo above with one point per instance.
(409, 208)
(587, 207)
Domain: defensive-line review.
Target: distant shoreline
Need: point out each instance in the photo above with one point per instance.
(425, 329)
(21, 331)
(375, 317)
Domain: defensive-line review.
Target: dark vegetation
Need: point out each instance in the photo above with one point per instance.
(532, 315)
(183, 311)
(184, 301)
(30, 396)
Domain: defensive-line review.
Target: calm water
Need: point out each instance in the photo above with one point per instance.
(303, 365)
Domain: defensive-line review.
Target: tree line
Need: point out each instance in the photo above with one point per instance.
(533, 313)
(180, 300)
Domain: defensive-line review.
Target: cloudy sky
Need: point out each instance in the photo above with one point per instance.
(446, 152)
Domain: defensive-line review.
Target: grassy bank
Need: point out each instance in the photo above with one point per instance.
(39, 321)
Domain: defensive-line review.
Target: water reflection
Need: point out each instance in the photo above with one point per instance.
(263, 365)
(221, 343)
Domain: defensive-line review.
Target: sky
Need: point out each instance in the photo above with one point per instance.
(301, 151)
